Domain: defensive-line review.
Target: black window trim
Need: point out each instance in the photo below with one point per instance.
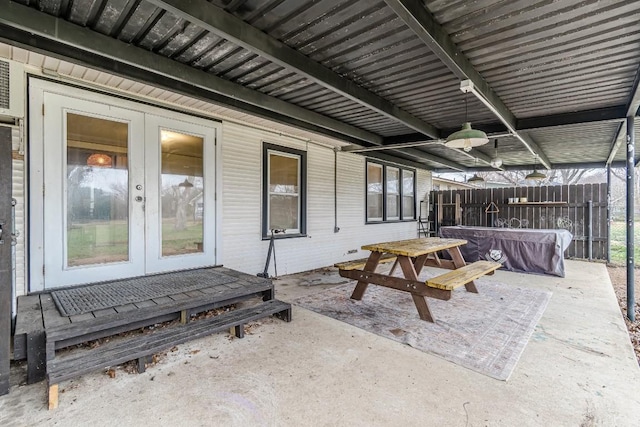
(266, 147)
(384, 192)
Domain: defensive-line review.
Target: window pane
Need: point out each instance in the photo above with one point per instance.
(374, 192)
(393, 193)
(374, 208)
(408, 207)
(283, 212)
(407, 182)
(284, 187)
(408, 195)
(182, 202)
(283, 174)
(97, 191)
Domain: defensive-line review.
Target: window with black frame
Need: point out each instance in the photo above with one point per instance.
(390, 193)
(284, 191)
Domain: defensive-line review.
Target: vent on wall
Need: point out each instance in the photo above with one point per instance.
(11, 89)
(4, 85)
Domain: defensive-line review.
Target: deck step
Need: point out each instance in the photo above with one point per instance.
(70, 334)
(139, 346)
(463, 275)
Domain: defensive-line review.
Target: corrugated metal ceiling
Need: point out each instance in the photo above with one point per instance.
(540, 57)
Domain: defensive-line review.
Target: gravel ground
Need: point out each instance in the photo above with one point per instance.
(619, 280)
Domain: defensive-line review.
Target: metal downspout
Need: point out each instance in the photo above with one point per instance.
(335, 191)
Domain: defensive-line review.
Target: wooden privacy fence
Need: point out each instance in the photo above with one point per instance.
(579, 208)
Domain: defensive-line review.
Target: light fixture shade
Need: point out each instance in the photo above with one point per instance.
(496, 162)
(100, 160)
(185, 184)
(475, 179)
(466, 138)
(536, 176)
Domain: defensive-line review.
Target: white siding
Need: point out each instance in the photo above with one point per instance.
(18, 192)
(243, 247)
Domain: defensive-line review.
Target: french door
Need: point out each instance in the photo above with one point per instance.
(126, 190)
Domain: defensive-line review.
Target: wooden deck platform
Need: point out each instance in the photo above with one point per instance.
(41, 329)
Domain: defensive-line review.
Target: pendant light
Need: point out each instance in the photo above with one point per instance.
(535, 175)
(496, 161)
(467, 137)
(185, 184)
(475, 179)
(100, 160)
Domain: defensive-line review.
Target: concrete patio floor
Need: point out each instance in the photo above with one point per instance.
(578, 369)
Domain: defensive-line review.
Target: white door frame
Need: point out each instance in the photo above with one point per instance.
(36, 156)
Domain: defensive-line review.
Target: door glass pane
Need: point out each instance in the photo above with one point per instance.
(182, 191)
(284, 183)
(97, 191)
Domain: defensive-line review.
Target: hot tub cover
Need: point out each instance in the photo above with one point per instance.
(521, 250)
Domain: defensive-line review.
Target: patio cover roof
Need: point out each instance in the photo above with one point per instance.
(554, 80)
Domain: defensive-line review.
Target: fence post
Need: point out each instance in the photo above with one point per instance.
(590, 229)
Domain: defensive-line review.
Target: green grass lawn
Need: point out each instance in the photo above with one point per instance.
(619, 242)
(99, 242)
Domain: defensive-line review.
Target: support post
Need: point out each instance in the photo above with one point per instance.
(5, 258)
(630, 219)
(608, 213)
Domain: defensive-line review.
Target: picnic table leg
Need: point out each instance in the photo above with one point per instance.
(458, 261)
(410, 271)
(419, 263)
(370, 266)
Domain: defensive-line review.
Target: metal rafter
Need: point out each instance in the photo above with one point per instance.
(23, 18)
(217, 21)
(416, 16)
(51, 35)
(631, 111)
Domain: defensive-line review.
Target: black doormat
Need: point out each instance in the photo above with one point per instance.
(98, 296)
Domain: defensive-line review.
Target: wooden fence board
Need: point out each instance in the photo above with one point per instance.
(572, 215)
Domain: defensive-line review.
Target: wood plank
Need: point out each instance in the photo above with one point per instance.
(414, 247)
(179, 297)
(53, 396)
(50, 314)
(161, 300)
(28, 319)
(195, 293)
(81, 317)
(36, 357)
(104, 312)
(359, 264)
(128, 307)
(398, 283)
(461, 276)
(146, 303)
(5, 258)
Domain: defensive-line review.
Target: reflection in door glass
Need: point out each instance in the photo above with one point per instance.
(97, 191)
(182, 191)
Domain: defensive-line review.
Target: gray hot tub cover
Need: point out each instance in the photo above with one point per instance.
(521, 250)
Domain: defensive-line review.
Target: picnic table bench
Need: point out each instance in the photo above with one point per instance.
(412, 255)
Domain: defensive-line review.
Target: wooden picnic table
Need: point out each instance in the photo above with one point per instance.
(412, 255)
